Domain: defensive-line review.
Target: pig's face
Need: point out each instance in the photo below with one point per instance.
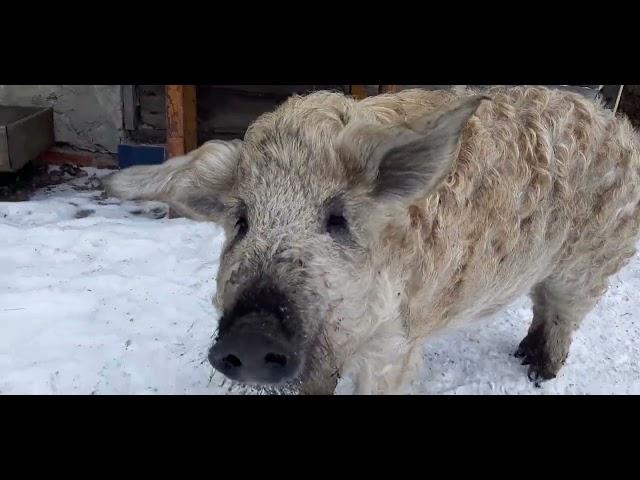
(303, 200)
(297, 235)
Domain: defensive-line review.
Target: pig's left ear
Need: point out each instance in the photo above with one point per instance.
(409, 161)
(195, 184)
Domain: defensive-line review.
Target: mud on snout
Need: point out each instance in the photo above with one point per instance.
(263, 339)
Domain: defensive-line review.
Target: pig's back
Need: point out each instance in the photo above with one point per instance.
(544, 179)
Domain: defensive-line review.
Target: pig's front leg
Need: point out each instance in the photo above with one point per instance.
(321, 385)
(388, 373)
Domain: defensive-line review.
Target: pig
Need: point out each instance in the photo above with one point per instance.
(357, 229)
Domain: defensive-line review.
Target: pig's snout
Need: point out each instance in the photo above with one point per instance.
(254, 357)
(255, 343)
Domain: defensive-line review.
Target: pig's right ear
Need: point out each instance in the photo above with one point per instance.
(194, 185)
(408, 161)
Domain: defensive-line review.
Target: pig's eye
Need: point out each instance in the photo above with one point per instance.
(337, 225)
(242, 226)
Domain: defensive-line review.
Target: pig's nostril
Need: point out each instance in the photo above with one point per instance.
(275, 358)
(254, 357)
(231, 361)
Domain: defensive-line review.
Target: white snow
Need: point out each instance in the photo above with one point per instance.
(120, 303)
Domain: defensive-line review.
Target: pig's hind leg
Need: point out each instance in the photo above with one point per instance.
(555, 317)
(562, 301)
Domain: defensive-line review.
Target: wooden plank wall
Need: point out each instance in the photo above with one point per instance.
(223, 111)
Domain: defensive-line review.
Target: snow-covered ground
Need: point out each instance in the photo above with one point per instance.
(107, 297)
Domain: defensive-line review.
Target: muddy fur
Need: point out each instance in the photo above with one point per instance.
(456, 206)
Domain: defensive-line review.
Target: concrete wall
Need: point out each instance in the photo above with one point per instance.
(88, 117)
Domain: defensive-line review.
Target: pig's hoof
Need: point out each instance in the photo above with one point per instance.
(533, 353)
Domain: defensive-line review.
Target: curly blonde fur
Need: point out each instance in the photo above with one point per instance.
(542, 196)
